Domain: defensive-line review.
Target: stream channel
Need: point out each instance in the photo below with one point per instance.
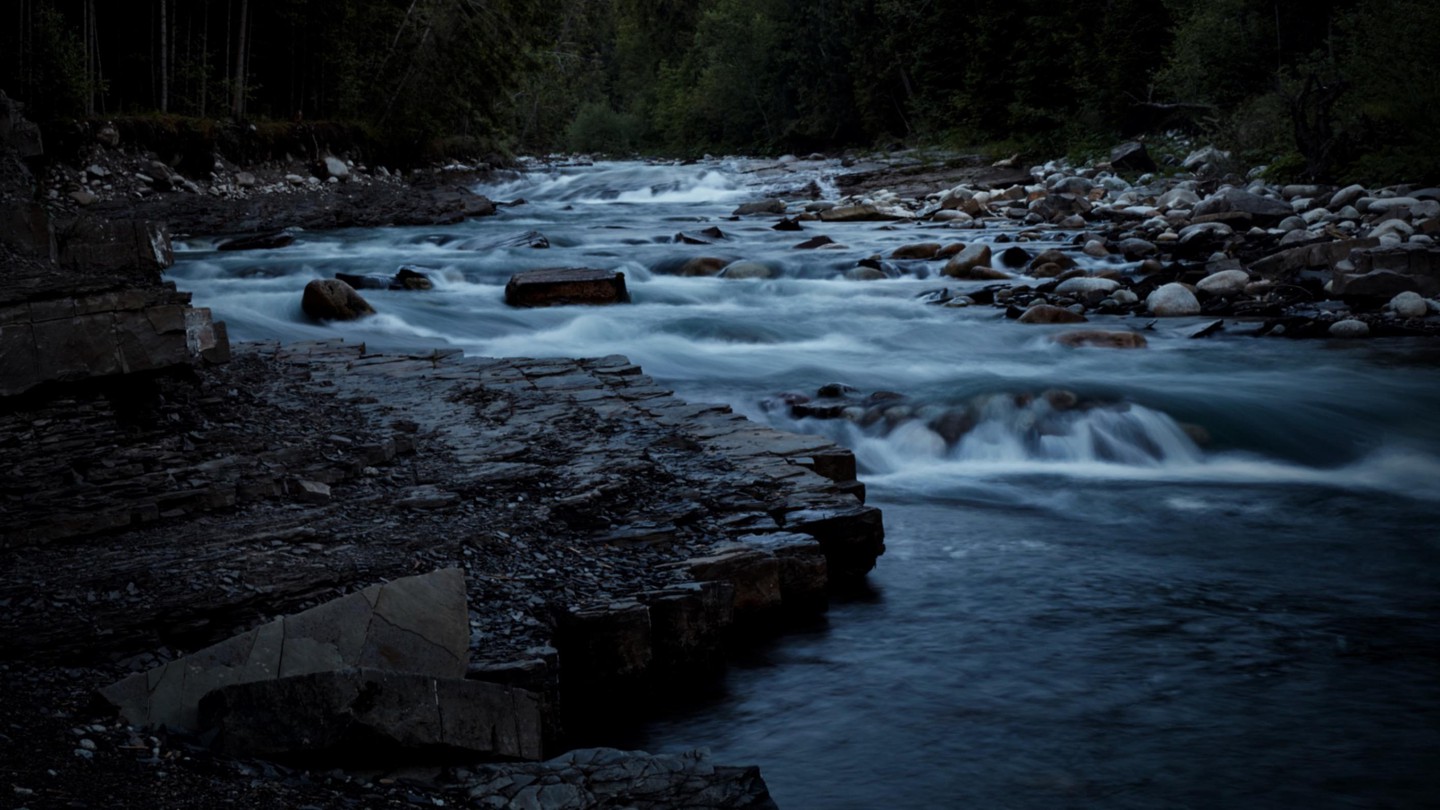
(1079, 607)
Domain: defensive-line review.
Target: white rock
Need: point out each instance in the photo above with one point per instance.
(1124, 297)
(1349, 328)
(1172, 300)
(1409, 305)
(1178, 198)
(1085, 284)
(1391, 203)
(1399, 227)
(1225, 282)
(294, 179)
(1347, 196)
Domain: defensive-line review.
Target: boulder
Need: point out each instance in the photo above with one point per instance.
(866, 212)
(1409, 304)
(329, 299)
(971, 257)
(815, 242)
(748, 270)
(416, 624)
(923, 250)
(372, 716)
(1102, 339)
(1172, 300)
(1061, 260)
(1349, 328)
(1087, 285)
(1015, 256)
(1134, 249)
(335, 167)
(1224, 283)
(552, 287)
(1048, 313)
(760, 207)
(702, 266)
(1263, 211)
(1132, 157)
(1177, 198)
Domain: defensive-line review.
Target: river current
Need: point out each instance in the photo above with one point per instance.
(1079, 607)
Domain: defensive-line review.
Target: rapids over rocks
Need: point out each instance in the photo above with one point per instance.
(1199, 573)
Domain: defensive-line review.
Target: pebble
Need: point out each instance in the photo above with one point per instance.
(1349, 328)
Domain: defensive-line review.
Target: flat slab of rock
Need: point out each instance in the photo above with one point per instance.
(544, 288)
(416, 624)
(606, 777)
(371, 713)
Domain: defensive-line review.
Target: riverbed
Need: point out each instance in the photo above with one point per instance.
(1202, 573)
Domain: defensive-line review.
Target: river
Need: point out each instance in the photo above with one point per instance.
(1079, 607)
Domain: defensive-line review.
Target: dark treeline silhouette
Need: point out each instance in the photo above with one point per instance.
(1320, 88)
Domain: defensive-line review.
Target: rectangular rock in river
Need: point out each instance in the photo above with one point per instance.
(578, 285)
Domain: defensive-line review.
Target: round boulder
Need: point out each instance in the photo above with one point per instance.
(973, 256)
(1048, 313)
(329, 299)
(1172, 300)
(1409, 305)
(1349, 328)
(1224, 283)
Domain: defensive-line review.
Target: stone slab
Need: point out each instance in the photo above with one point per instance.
(373, 715)
(553, 287)
(416, 624)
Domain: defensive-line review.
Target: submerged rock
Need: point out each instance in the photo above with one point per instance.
(1102, 339)
(1048, 313)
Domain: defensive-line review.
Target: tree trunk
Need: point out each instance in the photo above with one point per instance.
(204, 56)
(164, 58)
(237, 108)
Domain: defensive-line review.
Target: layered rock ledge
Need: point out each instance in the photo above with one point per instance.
(611, 536)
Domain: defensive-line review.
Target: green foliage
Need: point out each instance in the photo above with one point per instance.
(599, 128)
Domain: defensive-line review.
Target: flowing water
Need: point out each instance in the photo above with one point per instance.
(1080, 606)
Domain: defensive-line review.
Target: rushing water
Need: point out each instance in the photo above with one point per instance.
(1079, 607)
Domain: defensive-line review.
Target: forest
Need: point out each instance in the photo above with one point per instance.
(1317, 89)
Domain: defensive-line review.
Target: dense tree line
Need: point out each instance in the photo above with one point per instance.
(1322, 88)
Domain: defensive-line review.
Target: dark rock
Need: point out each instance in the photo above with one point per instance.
(529, 239)
(268, 240)
(1047, 313)
(702, 266)
(788, 224)
(365, 282)
(760, 207)
(1058, 258)
(1132, 157)
(815, 242)
(415, 624)
(713, 232)
(605, 777)
(410, 278)
(543, 288)
(754, 574)
(372, 716)
(1014, 257)
(334, 300)
(922, 250)
(114, 246)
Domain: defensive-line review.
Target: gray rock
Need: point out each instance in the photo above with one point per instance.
(1346, 196)
(1172, 300)
(1409, 305)
(1048, 313)
(372, 714)
(1132, 157)
(336, 168)
(1083, 285)
(1349, 328)
(760, 207)
(417, 624)
(1224, 283)
(973, 256)
(1263, 210)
